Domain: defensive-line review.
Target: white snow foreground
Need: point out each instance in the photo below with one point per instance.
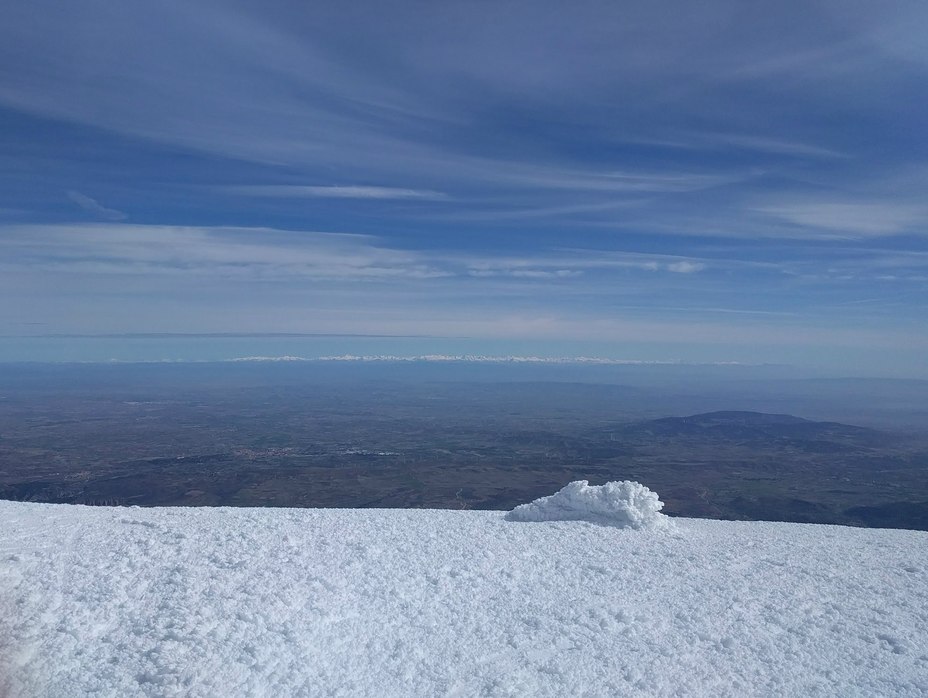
(281, 602)
(624, 504)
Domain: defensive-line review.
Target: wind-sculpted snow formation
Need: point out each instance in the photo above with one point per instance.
(204, 602)
(623, 504)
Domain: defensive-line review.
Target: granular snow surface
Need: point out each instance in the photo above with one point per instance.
(314, 602)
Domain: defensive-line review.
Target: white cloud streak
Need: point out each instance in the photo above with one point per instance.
(336, 192)
(266, 253)
(685, 267)
(220, 251)
(854, 219)
(96, 208)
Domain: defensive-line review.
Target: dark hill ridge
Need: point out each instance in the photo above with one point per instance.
(739, 417)
(760, 431)
(753, 425)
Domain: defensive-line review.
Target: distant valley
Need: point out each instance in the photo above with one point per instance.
(446, 445)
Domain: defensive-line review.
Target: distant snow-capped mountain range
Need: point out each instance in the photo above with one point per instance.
(482, 358)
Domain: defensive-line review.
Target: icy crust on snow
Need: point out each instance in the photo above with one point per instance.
(624, 504)
(312, 602)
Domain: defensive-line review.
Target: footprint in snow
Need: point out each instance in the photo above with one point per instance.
(136, 522)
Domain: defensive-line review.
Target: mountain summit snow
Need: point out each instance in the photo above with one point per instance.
(202, 602)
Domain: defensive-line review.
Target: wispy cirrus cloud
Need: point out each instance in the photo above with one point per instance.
(423, 96)
(233, 252)
(590, 109)
(568, 263)
(336, 192)
(525, 273)
(289, 254)
(95, 207)
(686, 267)
(855, 218)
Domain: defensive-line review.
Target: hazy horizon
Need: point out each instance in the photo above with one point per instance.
(356, 349)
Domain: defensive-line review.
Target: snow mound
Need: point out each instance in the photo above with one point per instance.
(625, 504)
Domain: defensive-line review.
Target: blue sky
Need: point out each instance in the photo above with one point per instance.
(718, 181)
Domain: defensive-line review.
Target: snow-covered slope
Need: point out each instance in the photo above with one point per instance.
(276, 602)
